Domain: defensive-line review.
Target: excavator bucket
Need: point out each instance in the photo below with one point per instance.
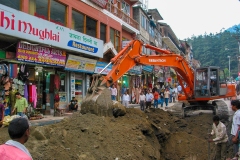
(98, 100)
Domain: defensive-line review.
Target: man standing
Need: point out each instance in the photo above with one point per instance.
(149, 99)
(179, 89)
(125, 99)
(142, 98)
(21, 105)
(221, 138)
(14, 149)
(235, 125)
(113, 93)
(156, 97)
(73, 106)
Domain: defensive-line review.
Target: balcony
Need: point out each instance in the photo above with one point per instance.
(120, 14)
(137, 1)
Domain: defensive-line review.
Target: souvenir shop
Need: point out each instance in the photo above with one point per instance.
(42, 82)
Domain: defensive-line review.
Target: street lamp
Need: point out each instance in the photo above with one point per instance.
(229, 66)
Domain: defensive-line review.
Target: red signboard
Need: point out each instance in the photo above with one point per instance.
(101, 3)
(238, 73)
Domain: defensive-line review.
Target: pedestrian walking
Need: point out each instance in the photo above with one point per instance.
(142, 99)
(14, 149)
(126, 99)
(156, 97)
(166, 96)
(113, 92)
(21, 105)
(220, 132)
(235, 125)
(149, 99)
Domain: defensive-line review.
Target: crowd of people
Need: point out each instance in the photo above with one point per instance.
(158, 96)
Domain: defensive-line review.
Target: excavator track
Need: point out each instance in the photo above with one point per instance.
(218, 107)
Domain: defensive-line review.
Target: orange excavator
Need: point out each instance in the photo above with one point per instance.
(203, 90)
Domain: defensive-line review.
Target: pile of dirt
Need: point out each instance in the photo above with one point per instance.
(154, 135)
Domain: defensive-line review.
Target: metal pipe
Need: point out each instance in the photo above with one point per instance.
(105, 67)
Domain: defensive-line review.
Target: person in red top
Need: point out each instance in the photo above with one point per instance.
(156, 97)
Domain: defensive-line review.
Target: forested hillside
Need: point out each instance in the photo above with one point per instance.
(214, 49)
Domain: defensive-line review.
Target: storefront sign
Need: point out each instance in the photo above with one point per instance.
(22, 25)
(125, 43)
(72, 83)
(41, 55)
(100, 66)
(136, 70)
(101, 3)
(148, 68)
(80, 64)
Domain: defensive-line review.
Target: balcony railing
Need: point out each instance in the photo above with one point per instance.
(120, 14)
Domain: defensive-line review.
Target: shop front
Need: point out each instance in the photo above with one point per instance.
(39, 50)
(79, 68)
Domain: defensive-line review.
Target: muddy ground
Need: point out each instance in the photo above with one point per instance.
(154, 135)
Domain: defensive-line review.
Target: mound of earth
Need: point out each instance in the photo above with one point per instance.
(153, 135)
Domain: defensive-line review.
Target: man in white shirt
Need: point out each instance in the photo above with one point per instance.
(113, 92)
(125, 99)
(179, 88)
(235, 125)
(149, 99)
(142, 99)
(221, 138)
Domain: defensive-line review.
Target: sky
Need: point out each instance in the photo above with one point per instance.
(197, 17)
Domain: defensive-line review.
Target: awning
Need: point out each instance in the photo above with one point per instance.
(171, 45)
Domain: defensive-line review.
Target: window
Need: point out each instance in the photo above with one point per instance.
(125, 8)
(103, 32)
(77, 21)
(58, 12)
(91, 27)
(115, 38)
(11, 3)
(144, 22)
(55, 13)
(79, 24)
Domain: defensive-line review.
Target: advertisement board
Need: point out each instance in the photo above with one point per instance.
(100, 66)
(80, 64)
(41, 55)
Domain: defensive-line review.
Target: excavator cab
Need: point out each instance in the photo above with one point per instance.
(209, 82)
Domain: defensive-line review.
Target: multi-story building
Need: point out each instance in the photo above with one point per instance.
(62, 43)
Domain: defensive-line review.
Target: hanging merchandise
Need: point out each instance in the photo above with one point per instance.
(23, 72)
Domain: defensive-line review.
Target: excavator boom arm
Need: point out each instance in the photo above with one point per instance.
(132, 55)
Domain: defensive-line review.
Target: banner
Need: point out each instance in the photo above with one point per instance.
(37, 30)
(100, 66)
(148, 68)
(136, 70)
(41, 55)
(80, 64)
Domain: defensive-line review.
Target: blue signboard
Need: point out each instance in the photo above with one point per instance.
(148, 68)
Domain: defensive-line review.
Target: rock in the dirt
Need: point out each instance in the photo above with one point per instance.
(118, 109)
